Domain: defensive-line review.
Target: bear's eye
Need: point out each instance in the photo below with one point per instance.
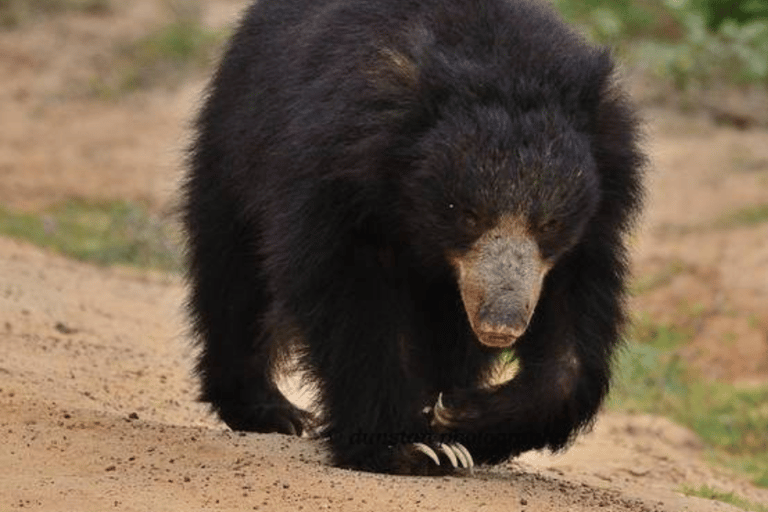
(550, 226)
(471, 219)
(466, 219)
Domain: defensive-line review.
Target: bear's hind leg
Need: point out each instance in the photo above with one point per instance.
(228, 303)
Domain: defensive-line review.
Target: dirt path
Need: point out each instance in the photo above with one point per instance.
(98, 412)
(97, 405)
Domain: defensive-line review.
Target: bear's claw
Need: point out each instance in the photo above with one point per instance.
(426, 450)
(456, 453)
(441, 416)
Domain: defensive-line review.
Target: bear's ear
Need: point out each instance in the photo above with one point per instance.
(394, 73)
(395, 68)
(400, 82)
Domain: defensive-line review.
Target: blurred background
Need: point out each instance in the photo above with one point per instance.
(97, 97)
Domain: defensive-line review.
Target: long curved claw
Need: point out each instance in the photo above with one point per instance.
(457, 455)
(426, 450)
(449, 452)
(469, 462)
(440, 414)
(460, 455)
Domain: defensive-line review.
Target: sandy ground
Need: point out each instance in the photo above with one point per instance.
(97, 406)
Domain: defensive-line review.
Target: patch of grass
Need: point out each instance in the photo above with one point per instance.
(14, 13)
(734, 54)
(660, 336)
(616, 20)
(692, 43)
(649, 378)
(749, 216)
(165, 56)
(652, 377)
(661, 278)
(711, 493)
(170, 52)
(744, 159)
(105, 233)
(719, 12)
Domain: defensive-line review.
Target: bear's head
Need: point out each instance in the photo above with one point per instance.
(501, 199)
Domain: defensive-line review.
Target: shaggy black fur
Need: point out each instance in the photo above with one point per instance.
(348, 154)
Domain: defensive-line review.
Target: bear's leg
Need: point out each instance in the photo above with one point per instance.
(357, 321)
(551, 397)
(228, 302)
(564, 373)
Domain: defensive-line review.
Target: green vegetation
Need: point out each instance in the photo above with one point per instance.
(691, 42)
(749, 216)
(170, 52)
(100, 232)
(651, 282)
(710, 493)
(653, 378)
(165, 56)
(16, 12)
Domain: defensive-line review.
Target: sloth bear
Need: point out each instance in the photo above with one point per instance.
(401, 192)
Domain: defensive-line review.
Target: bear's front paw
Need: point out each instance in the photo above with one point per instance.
(425, 458)
(442, 454)
(430, 459)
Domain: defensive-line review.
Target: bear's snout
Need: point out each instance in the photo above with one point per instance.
(500, 280)
(501, 322)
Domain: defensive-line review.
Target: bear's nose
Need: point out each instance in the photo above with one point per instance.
(501, 328)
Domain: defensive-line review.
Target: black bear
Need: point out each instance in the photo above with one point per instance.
(399, 191)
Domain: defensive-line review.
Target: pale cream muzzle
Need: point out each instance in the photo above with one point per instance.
(500, 280)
